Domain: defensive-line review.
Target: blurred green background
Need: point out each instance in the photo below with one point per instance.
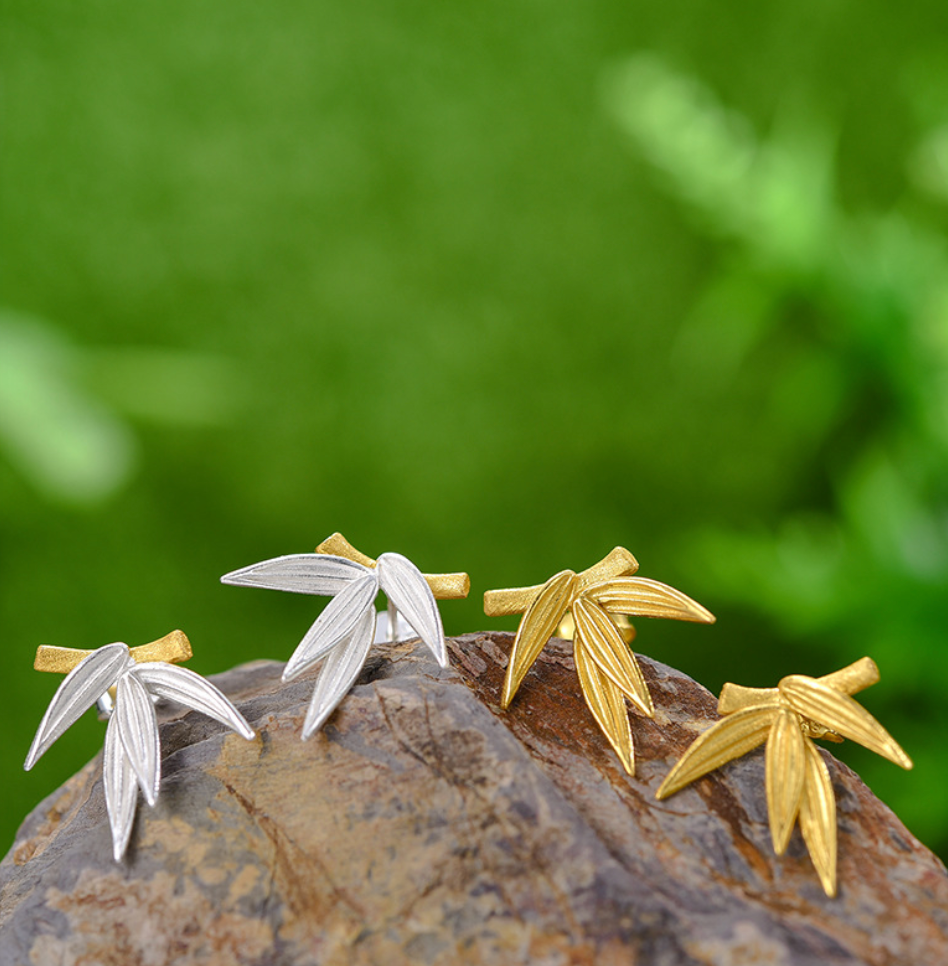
(496, 285)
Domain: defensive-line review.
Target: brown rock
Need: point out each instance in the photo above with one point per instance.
(424, 825)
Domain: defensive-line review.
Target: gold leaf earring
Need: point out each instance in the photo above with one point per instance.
(591, 607)
(788, 717)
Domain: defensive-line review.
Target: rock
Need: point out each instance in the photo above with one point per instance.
(424, 825)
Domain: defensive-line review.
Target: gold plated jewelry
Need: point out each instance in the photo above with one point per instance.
(798, 783)
(597, 600)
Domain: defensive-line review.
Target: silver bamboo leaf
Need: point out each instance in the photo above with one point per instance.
(408, 590)
(184, 687)
(339, 673)
(334, 624)
(299, 573)
(80, 689)
(138, 729)
(121, 789)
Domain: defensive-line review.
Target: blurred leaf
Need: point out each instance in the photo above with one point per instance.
(928, 164)
(857, 561)
(65, 441)
(774, 195)
(706, 152)
(60, 405)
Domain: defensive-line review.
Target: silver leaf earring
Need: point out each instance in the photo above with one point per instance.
(349, 625)
(125, 683)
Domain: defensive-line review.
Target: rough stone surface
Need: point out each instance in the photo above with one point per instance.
(424, 825)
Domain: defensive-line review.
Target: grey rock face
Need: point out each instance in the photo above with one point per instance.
(424, 825)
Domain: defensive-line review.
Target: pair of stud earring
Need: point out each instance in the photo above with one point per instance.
(591, 607)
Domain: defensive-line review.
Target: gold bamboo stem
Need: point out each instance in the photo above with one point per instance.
(454, 586)
(850, 680)
(173, 648)
(515, 600)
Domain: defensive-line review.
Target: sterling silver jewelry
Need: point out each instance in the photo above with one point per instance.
(346, 629)
(138, 678)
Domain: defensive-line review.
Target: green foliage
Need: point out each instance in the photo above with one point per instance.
(63, 408)
(66, 442)
(857, 559)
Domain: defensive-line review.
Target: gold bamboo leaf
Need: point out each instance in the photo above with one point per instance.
(536, 628)
(639, 596)
(606, 703)
(841, 714)
(607, 647)
(786, 767)
(818, 817)
(724, 741)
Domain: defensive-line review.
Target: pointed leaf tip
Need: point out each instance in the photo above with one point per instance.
(539, 623)
(185, 687)
(121, 789)
(299, 573)
(79, 690)
(407, 589)
(842, 714)
(785, 770)
(605, 644)
(334, 624)
(339, 673)
(642, 597)
(138, 730)
(605, 701)
(725, 740)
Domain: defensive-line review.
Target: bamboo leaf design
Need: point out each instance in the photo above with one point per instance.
(345, 630)
(842, 714)
(80, 689)
(587, 606)
(184, 687)
(606, 703)
(299, 573)
(798, 781)
(785, 771)
(818, 817)
(334, 624)
(408, 590)
(724, 741)
(121, 789)
(642, 597)
(606, 646)
(339, 673)
(138, 730)
(537, 627)
(132, 756)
